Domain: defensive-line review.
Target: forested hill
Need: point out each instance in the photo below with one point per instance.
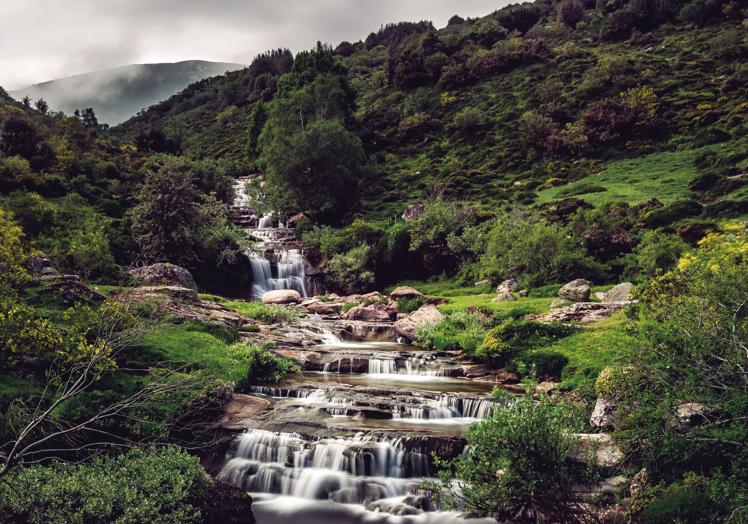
(530, 104)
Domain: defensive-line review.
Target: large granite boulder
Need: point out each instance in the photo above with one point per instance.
(623, 292)
(369, 313)
(507, 286)
(597, 448)
(164, 274)
(405, 292)
(576, 291)
(605, 414)
(409, 325)
(504, 296)
(70, 289)
(325, 308)
(38, 263)
(281, 296)
(412, 212)
(581, 312)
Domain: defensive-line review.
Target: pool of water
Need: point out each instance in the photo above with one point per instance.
(418, 382)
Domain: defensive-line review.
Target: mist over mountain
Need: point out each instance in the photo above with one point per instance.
(119, 93)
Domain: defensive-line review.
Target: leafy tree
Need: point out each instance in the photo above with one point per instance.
(18, 137)
(436, 233)
(348, 272)
(523, 245)
(310, 153)
(515, 467)
(42, 106)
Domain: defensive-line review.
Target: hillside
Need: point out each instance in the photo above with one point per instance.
(119, 93)
(515, 107)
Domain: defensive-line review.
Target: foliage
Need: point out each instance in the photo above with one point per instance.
(515, 466)
(524, 246)
(690, 335)
(436, 233)
(460, 330)
(658, 252)
(512, 337)
(12, 273)
(264, 366)
(348, 273)
(408, 305)
(154, 485)
(615, 381)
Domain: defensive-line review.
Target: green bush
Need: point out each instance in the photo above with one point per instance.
(348, 273)
(155, 485)
(12, 273)
(460, 330)
(657, 252)
(513, 337)
(540, 364)
(515, 464)
(616, 381)
(264, 366)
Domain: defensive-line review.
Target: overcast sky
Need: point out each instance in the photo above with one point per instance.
(47, 39)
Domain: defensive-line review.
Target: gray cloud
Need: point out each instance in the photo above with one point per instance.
(47, 39)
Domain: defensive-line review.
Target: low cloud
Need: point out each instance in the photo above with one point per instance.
(47, 39)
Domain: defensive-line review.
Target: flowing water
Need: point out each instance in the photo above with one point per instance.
(342, 447)
(289, 273)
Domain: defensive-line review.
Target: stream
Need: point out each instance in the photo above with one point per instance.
(351, 438)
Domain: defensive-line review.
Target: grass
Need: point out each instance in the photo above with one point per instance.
(589, 351)
(523, 306)
(193, 346)
(634, 181)
(256, 310)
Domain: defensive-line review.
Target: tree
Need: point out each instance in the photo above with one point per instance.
(42, 106)
(309, 150)
(26, 101)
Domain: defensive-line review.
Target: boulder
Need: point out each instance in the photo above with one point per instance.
(164, 274)
(504, 296)
(325, 308)
(71, 289)
(507, 286)
(596, 447)
(408, 326)
(37, 263)
(368, 314)
(623, 292)
(605, 414)
(184, 294)
(405, 292)
(281, 296)
(48, 273)
(222, 503)
(483, 283)
(582, 312)
(694, 413)
(412, 212)
(576, 291)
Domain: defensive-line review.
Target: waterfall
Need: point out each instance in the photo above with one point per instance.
(291, 273)
(378, 366)
(476, 407)
(265, 222)
(345, 470)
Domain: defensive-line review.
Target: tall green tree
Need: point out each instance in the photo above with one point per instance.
(309, 148)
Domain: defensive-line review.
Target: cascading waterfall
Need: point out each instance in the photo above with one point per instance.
(345, 470)
(265, 222)
(291, 273)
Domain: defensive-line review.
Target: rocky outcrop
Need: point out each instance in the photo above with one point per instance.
(240, 408)
(623, 292)
(409, 325)
(412, 212)
(695, 413)
(325, 308)
(70, 289)
(183, 304)
(582, 312)
(36, 264)
(164, 274)
(504, 296)
(598, 448)
(576, 291)
(483, 283)
(281, 296)
(374, 313)
(405, 292)
(605, 414)
(507, 286)
(225, 504)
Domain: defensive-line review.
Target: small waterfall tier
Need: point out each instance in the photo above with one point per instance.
(340, 469)
(290, 273)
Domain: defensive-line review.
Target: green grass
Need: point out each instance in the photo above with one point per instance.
(589, 351)
(661, 175)
(192, 346)
(524, 306)
(256, 310)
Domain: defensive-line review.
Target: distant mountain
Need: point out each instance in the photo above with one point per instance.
(119, 93)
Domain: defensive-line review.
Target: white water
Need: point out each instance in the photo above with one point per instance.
(290, 273)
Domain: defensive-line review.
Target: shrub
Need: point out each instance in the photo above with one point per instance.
(512, 337)
(467, 121)
(672, 213)
(525, 246)
(263, 366)
(515, 464)
(618, 25)
(154, 485)
(12, 273)
(540, 364)
(519, 17)
(460, 330)
(700, 12)
(348, 273)
(658, 252)
(616, 381)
